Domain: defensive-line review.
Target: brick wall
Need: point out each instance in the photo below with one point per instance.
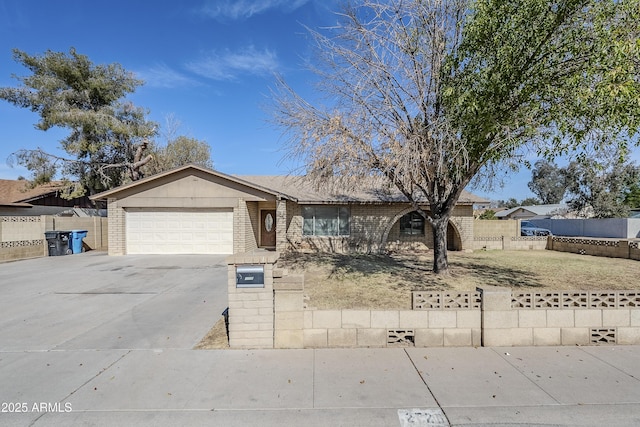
(117, 230)
(283, 219)
(375, 227)
(294, 225)
(240, 217)
(245, 226)
(251, 311)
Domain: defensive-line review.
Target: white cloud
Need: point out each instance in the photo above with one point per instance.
(165, 77)
(242, 9)
(230, 65)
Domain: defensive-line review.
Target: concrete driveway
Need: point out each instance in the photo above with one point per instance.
(95, 340)
(93, 301)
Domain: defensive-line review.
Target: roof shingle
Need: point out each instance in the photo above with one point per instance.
(16, 192)
(373, 191)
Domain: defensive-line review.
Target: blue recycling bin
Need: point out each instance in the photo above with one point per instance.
(76, 240)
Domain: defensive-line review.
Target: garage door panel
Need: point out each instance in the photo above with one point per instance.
(194, 231)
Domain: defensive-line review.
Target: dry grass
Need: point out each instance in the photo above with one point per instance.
(335, 281)
(216, 338)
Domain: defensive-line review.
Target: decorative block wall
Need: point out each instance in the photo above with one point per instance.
(275, 317)
(559, 317)
(23, 237)
(614, 248)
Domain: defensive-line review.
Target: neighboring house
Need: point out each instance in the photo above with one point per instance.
(477, 213)
(482, 206)
(16, 198)
(196, 210)
(534, 212)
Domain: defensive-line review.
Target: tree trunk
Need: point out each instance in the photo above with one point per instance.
(440, 261)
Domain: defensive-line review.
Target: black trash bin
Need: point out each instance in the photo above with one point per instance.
(58, 242)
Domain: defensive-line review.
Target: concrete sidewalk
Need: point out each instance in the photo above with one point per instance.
(114, 349)
(324, 387)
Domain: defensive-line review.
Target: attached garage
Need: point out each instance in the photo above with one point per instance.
(188, 210)
(179, 231)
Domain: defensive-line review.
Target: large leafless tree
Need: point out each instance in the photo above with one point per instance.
(430, 93)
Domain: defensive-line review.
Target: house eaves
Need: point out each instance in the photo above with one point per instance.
(124, 188)
(373, 191)
(19, 191)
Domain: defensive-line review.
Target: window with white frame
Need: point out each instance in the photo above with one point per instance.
(325, 220)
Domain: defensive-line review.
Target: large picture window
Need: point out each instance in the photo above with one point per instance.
(325, 221)
(412, 224)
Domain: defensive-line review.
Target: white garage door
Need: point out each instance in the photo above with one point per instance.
(180, 231)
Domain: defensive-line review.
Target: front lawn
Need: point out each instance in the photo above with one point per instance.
(334, 281)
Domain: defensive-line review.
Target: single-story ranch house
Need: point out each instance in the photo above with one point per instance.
(194, 210)
(17, 198)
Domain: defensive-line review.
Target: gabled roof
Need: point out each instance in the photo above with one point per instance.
(194, 168)
(537, 210)
(295, 188)
(16, 192)
(374, 190)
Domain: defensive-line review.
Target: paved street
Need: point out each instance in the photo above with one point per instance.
(95, 340)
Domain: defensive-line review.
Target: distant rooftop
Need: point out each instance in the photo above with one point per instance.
(537, 210)
(17, 193)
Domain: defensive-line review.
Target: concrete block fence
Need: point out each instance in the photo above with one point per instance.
(511, 243)
(613, 248)
(275, 316)
(23, 237)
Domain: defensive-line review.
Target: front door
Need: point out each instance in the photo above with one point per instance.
(268, 228)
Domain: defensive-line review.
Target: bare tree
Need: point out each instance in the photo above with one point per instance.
(177, 150)
(429, 93)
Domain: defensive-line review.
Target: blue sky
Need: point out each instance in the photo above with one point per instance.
(207, 63)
